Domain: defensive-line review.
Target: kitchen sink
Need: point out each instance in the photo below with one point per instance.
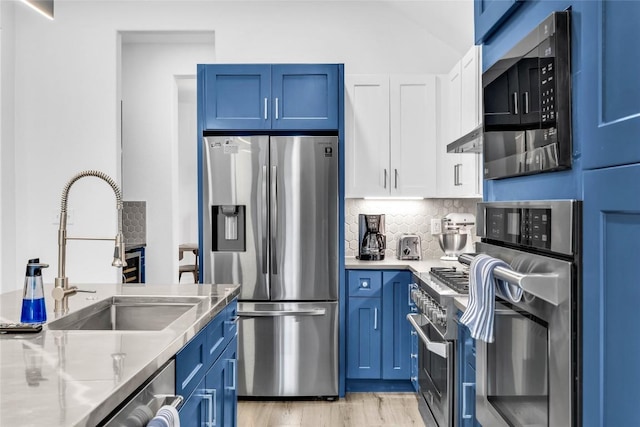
(127, 313)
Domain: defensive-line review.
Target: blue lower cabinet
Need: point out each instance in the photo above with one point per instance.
(466, 408)
(610, 292)
(396, 329)
(230, 384)
(194, 411)
(209, 360)
(379, 340)
(364, 334)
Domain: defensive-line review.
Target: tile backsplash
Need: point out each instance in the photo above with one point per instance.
(404, 217)
(134, 223)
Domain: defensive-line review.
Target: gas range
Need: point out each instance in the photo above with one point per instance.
(455, 278)
(433, 295)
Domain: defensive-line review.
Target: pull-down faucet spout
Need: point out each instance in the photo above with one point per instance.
(62, 291)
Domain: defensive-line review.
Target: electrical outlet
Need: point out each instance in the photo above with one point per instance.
(436, 226)
(56, 217)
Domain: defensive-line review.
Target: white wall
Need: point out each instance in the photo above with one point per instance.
(8, 260)
(66, 95)
(152, 149)
(187, 162)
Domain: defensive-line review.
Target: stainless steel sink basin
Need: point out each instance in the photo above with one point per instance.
(127, 313)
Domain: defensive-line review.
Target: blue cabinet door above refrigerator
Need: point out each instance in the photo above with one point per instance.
(264, 96)
(305, 96)
(235, 96)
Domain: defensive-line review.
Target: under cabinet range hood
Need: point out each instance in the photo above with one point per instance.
(469, 143)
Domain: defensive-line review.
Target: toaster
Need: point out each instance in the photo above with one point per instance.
(409, 247)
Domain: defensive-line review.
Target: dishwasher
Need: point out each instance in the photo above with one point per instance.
(142, 406)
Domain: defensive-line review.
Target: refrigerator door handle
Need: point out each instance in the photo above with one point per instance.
(281, 313)
(274, 219)
(265, 262)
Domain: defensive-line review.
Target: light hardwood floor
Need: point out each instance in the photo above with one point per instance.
(356, 409)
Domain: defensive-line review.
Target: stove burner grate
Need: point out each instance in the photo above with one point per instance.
(458, 280)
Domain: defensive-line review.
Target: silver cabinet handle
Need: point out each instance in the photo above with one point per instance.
(526, 102)
(456, 174)
(212, 400)
(396, 176)
(464, 400)
(274, 219)
(233, 364)
(264, 218)
(280, 313)
(277, 109)
(375, 318)
(385, 178)
(435, 347)
(515, 102)
(265, 108)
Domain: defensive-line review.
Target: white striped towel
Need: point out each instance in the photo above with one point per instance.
(478, 316)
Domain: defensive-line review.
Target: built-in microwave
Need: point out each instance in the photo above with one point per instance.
(527, 104)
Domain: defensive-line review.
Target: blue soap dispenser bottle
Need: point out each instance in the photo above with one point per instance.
(33, 308)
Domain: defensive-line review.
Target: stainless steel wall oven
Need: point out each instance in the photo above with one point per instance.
(531, 374)
(527, 104)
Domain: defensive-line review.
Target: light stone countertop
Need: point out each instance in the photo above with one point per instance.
(421, 268)
(79, 384)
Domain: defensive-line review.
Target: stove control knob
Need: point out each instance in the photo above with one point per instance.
(442, 318)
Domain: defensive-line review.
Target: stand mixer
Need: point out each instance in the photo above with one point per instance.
(456, 230)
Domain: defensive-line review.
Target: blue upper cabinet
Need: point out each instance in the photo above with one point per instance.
(489, 14)
(305, 96)
(263, 96)
(612, 66)
(236, 96)
(610, 293)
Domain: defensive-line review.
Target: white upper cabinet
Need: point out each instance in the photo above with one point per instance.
(471, 90)
(367, 135)
(390, 136)
(459, 101)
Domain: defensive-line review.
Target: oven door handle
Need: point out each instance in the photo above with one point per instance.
(441, 349)
(546, 286)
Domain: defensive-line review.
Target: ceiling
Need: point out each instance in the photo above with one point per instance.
(448, 20)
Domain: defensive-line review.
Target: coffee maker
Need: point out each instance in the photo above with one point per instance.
(371, 239)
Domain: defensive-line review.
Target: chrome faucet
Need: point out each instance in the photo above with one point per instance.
(61, 290)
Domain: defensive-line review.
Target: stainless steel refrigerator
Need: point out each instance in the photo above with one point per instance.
(270, 222)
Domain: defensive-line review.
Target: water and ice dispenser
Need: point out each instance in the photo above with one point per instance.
(228, 228)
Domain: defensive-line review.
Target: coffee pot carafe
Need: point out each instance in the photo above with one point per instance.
(371, 239)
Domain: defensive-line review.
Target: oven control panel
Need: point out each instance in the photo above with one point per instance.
(521, 226)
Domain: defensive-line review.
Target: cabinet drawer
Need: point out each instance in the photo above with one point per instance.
(220, 331)
(192, 363)
(365, 283)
